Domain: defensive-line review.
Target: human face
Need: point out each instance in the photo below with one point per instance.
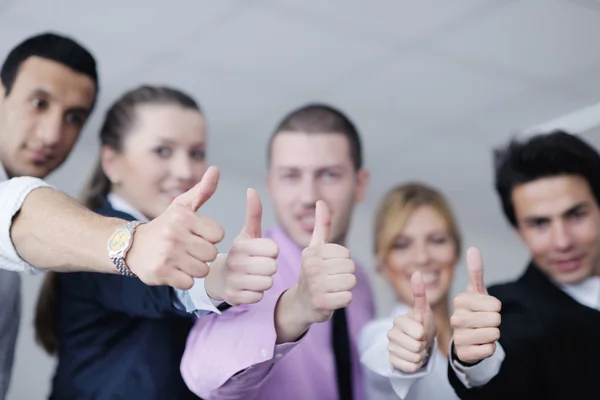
(163, 156)
(309, 167)
(559, 221)
(42, 116)
(425, 245)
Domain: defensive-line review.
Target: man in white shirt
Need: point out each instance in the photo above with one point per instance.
(48, 89)
(537, 337)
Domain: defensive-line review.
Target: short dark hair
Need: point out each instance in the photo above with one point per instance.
(321, 118)
(50, 46)
(542, 156)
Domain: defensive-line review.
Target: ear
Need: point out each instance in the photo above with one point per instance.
(2, 92)
(363, 177)
(109, 158)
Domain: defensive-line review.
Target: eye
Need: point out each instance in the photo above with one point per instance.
(401, 245)
(163, 151)
(439, 240)
(75, 119)
(199, 155)
(39, 104)
(330, 175)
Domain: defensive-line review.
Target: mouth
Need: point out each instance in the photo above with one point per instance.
(568, 265)
(307, 222)
(174, 193)
(431, 278)
(40, 156)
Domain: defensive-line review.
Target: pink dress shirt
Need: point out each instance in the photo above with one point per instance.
(234, 355)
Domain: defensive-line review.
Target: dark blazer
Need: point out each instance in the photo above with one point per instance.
(118, 338)
(552, 344)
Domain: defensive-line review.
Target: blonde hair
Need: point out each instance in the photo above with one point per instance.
(395, 209)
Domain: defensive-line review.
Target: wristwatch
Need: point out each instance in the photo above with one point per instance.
(119, 244)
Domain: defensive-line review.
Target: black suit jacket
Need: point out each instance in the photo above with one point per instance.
(119, 338)
(552, 344)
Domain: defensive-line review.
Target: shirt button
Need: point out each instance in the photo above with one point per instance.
(263, 352)
(278, 355)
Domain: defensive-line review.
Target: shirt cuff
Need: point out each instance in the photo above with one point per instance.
(12, 195)
(195, 300)
(481, 373)
(376, 358)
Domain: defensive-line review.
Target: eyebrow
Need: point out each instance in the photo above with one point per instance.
(320, 168)
(172, 142)
(47, 95)
(540, 218)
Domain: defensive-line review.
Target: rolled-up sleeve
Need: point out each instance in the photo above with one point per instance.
(12, 195)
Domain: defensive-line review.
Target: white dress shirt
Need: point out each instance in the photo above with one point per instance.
(12, 195)
(586, 292)
(194, 300)
(384, 382)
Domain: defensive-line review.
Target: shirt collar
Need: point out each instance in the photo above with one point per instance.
(119, 204)
(586, 292)
(3, 174)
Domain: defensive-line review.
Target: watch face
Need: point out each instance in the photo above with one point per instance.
(118, 241)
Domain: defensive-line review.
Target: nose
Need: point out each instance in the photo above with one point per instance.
(561, 237)
(309, 191)
(50, 131)
(421, 254)
(182, 168)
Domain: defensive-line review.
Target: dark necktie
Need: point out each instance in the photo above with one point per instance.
(340, 338)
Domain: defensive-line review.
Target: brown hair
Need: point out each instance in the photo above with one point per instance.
(118, 121)
(396, 207)
(321, 118)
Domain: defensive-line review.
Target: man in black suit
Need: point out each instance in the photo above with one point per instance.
(537, 337)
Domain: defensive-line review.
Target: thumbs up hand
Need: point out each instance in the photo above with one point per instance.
(177, 245)
(476, 316)
(327, 273)
(413, 334)
(248, 268)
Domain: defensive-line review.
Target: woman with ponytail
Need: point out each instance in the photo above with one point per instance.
(115, 337)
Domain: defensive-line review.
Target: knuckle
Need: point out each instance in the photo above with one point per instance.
(496, 305)
(496, 319)
(459, 301)
(495, 334)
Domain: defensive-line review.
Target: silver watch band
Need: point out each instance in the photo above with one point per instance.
(122, 267)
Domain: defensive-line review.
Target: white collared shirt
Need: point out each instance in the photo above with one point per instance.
(384, 382)
(12, 195)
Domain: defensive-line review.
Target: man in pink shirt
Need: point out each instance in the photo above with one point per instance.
(299, 341)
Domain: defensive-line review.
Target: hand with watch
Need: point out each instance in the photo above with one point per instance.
(175, 247)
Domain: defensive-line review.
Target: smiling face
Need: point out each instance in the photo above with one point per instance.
(306, 167)
(425, 244)
(559, 220)
(163, 155)
(42, 116)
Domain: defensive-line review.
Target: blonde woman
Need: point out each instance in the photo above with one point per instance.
(417, 245)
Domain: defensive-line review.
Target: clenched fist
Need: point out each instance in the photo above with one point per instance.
(476, 316)
(250, 264)
(327, 273)
(413, 334)
(177, 246)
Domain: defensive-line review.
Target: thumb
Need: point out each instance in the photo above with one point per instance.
(201, 192)
(421, 305)
(475, 268)
(253, 227)
(320, 234)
